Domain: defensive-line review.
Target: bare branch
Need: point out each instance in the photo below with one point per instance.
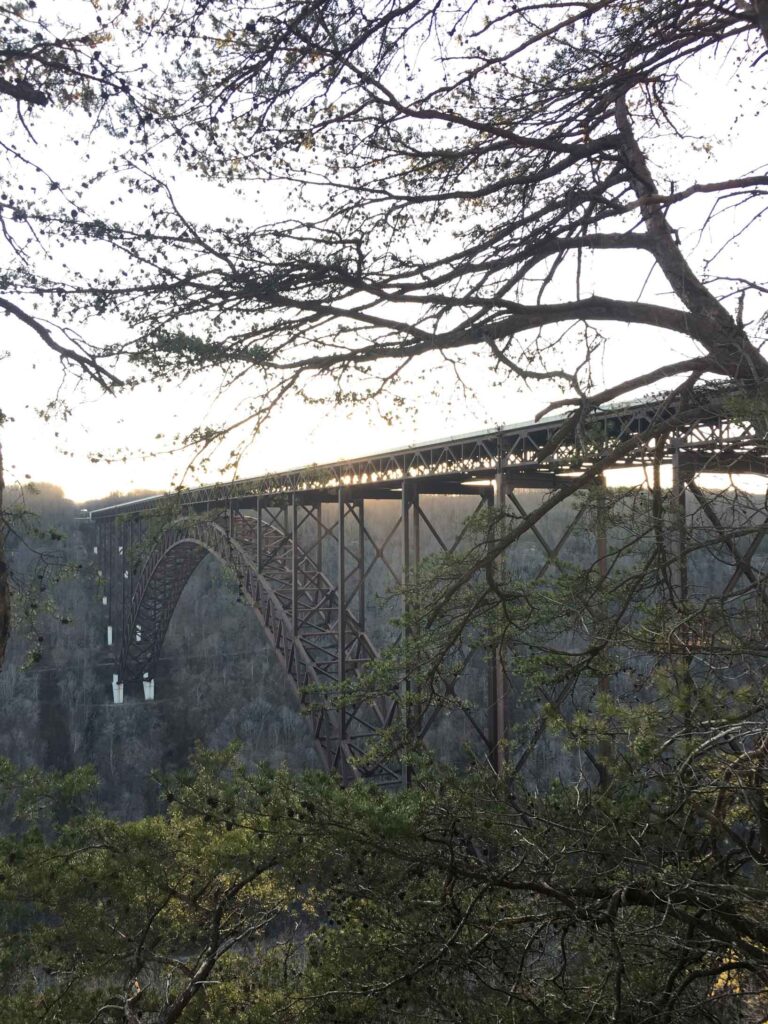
(88, 364)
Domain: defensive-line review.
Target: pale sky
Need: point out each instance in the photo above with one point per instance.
(57, 450)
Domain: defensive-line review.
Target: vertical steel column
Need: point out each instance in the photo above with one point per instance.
(361, 552)
(294, 564)
(405, 533)
(602, 550)
(496, 710)
(341, 653)
(319, 537)
(417, 710)
(405, 685)
(326, 611)
(679, 569)
(416, 514)
(258, 534)
(605, 747)
(341, 590)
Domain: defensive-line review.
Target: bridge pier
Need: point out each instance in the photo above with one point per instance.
(497, 710)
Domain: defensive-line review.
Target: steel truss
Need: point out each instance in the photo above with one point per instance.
(303, 554)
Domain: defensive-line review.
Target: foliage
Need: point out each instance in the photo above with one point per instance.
(386, 182)
(258, 897)
(452, 178)
(47, 64)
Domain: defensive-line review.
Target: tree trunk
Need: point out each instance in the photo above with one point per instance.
(5, 596)
(761, 10)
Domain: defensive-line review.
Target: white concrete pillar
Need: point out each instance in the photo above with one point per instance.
(117, 690)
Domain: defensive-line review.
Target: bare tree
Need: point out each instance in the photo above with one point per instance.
(42, 66)
(456, 177)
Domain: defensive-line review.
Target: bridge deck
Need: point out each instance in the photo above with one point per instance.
(533, 454)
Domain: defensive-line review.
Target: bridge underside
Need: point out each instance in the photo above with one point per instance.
(313, 549)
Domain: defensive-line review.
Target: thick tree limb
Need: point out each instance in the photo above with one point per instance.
(414, 340)
(726, 342)
(731, 185)
(24, 92)
(88, 364)
(761, 10)
(662, 373)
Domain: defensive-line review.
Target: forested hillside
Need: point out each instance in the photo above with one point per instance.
(218, 680)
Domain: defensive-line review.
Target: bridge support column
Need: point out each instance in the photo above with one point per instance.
(361, 563)
(259, 559)
(679, 568)
(417, 709)
(294, 564)
(605, 746)
(341, 651)
(496, 698)
(318, 550)
(405, 579)
(341, 587)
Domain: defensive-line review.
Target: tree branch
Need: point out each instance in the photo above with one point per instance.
(88, 364)
(728, 344)
(662, 373)
(731, 185)
(24, 92)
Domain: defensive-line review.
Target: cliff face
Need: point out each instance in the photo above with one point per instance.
(218, 679)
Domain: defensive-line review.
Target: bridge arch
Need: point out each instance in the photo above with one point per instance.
(305, 638)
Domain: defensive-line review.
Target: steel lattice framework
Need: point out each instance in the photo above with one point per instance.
(274, 532)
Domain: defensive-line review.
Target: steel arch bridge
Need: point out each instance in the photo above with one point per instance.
(275, 534)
